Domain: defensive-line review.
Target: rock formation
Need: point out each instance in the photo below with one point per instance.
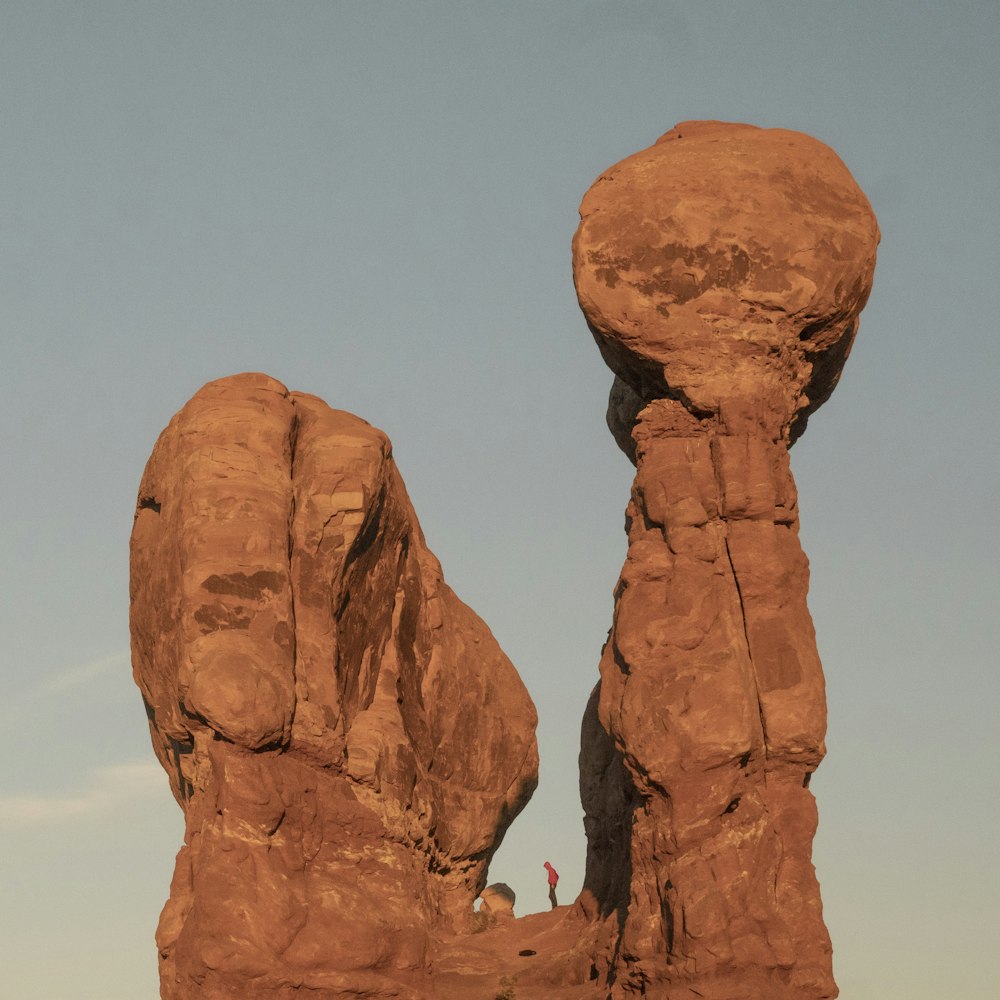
(498, 902)
(345, 737)
(721, 272)
(349, 744)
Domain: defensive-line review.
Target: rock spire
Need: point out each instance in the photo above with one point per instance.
(721, 272)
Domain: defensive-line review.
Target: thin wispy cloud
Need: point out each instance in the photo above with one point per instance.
(63, 681)
(107, 789)
(72, 677)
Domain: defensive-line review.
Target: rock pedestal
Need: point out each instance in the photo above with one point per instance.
(721, 272)
(345, 737)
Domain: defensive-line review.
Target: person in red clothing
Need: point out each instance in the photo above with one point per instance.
(553, 882)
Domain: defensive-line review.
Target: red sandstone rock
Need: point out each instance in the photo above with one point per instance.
(346, 738)
(727, 264)
(349, 744)
(721, 271)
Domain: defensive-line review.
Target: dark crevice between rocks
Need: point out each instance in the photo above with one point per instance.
(181, 749)
(364, 541)
(746, 636)
(293, 439)
(811, 329)
(322, 531)
(739, 594)
(150, 503)
(667, 913)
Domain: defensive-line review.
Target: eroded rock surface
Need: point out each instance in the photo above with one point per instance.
(721, 272)
(345, 737)
(348, 742)
(498, 901)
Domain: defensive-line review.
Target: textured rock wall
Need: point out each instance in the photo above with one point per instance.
(346, 738)
(721, 272)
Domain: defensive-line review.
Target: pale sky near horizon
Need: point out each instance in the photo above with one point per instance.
(373, 202)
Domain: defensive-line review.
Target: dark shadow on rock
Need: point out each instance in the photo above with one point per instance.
(609, 800)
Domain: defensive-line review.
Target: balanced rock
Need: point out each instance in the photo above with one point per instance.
(498, 901)
(721, 272)
(345, 737)
(727, 263)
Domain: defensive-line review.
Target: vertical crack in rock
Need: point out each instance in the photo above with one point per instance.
(739, 594)
(746, 638)
(721, 273)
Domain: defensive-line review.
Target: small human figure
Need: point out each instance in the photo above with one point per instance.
(553, 882)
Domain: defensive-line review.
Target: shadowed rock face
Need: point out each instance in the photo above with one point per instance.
(721, 272)
(346, 738)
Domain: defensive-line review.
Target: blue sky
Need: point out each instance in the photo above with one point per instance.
(374, 202)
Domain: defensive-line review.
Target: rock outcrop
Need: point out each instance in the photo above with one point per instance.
(345, 737)
(349, 744)
(498, 902)
(721, 272)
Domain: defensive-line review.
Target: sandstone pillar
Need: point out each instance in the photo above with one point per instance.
(721, 272)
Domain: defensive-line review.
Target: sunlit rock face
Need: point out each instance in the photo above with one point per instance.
(721, 272)
(345, 737)
(349, 744)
